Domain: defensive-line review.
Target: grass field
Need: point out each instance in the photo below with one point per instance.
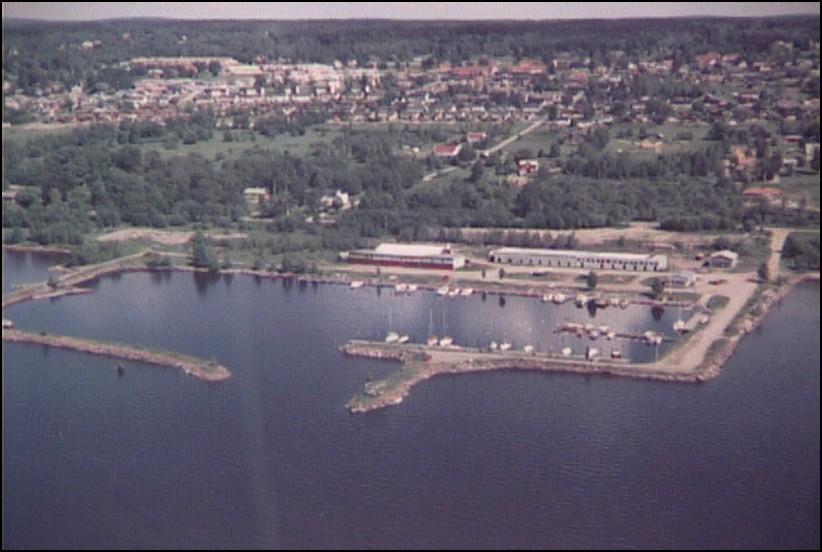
(801, 185)
(21, 134)
(297, 145)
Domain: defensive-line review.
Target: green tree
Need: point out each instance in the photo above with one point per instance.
(201, 255)
(657, 288)
(467, 153)
(764, 272)
(591, 279)
(476, 171)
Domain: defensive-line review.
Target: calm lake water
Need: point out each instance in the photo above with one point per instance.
(272, 459)
(21, 267)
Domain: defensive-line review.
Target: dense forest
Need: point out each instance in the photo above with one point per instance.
(36, 54)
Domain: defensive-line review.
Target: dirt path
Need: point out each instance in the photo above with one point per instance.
(514, 138)
(689, 357)
(779, 235)
(164, 237)
(639, 232)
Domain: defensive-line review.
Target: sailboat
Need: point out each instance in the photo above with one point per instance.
(445, 340)
(392, 336)
(433, 340)
(679, 324)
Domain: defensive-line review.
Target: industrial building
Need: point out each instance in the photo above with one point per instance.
(413, 255)
(579, 259)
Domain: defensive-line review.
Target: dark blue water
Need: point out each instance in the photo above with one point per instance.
(21, 267)
(272, 459)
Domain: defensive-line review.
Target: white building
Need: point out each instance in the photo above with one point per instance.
(579, 259)
(723, 259)
(255, 198)
(681, 279)
(411, 254)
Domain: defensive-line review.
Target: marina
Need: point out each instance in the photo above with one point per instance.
(281, 342)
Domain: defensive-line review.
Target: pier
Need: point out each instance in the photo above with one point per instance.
(420, 362)
(583, 330)
(199, 368)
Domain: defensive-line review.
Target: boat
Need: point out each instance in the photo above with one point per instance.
(446, 341)
(356, 284)
(493, 346)
(546, 297)
(613, 301)
(594, 334)
(412, 288)
(601, 302)
(443, 291)
(566, 351)
(591, 352)
(505, 346)
(466, 292)
(400, 288)
(610, 335)
(680, 326)
(624, 303)
(392, 337)
(616, 354)
(433, 341)
(7, 324)
(603, 329)
(528, 349)
(581, 300)
(403, 339)
(652, 338)
(560, 298)
(454, 293)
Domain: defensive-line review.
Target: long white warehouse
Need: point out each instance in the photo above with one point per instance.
(579, 259)
(408, 254)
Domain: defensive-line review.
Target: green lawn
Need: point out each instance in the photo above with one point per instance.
(21, 134)
(541, 138)
(800, 185)
(297, 145)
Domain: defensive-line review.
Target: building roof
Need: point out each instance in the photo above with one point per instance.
(624, 257)
(727, 253)
(684, 275)
(447, 149)
(411, 249)
(762, 192)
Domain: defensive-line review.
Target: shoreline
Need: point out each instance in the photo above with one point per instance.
(201, 369)
(36, 249)
(712, 355)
